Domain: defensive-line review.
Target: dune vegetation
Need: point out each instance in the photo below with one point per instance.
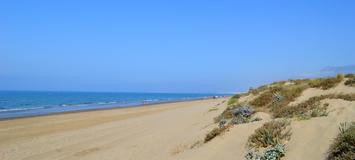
(268, 141)
(277, 100)
(343, 147)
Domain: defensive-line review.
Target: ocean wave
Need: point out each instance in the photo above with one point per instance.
(19, 109)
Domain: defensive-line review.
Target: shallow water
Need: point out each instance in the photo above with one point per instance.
(30, 103)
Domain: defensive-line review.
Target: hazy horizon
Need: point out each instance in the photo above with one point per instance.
(171, 47)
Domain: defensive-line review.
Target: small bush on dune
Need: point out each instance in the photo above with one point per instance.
(319, 110)
(350, 75)
(343, 147)
(326, 83)
(265, 98)
(270, 134)
(244, 111)
(215, 132)
(271, 137)
(275, 152)
(271, 153)
(234, 99)
(300, 81)
(350, 82)
(309, 108)
(279, 96)
(258, 90)
(347, 97)
(242, 115)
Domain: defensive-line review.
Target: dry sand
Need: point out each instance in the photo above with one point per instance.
(162, 132)
(152, 132)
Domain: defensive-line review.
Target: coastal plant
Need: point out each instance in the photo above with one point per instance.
(232, 110)
(278, 96)
(214, 133)
(350, 75)
(196, 144)
(270, 134)
(343, 146)
(326, 83)
(310, 107)
(258, 90)
(239, 120)
(320, 111)
(268, 141)
(234, 99)
(244, 111)
(218, 118)
(265, 98)
(222, 123)
(242, 115)
(350, 82)
(274, 152)
(317, 110)
(213, 108)
(270, 153)
(300, 81)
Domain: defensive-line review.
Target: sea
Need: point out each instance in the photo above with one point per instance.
(15, 104)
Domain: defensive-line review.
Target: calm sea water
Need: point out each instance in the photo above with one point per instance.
(29, 103)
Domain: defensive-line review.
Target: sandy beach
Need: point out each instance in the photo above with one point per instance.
(151, 132)
(165, 131)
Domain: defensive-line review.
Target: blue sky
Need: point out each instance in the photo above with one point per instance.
(170, 46)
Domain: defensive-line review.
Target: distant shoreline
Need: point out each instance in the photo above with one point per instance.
(112, 108)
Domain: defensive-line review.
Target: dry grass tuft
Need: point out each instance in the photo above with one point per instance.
(234, 99)
(214, 133)
(326, 83)
(310, 107)
(350, 82)
(265, 98)
(351, 75)
(258, 90)
(287, 94)
(270, 134)
(343, 146)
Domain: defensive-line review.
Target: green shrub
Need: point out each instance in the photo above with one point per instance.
(270, 134)
(343, 147)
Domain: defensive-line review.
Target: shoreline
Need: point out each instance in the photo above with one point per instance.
(112, 108)
(152, 131)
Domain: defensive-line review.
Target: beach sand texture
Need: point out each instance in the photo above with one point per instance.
(162, 132)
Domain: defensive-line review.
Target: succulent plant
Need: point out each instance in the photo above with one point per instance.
(278, 97)
(222, 123)
(239, 120)
(245, 111)
(275, 152)
(271, 153)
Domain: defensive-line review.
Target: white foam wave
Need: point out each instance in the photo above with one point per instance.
(19, 109)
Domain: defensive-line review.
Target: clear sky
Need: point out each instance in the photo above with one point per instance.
(170, 46)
